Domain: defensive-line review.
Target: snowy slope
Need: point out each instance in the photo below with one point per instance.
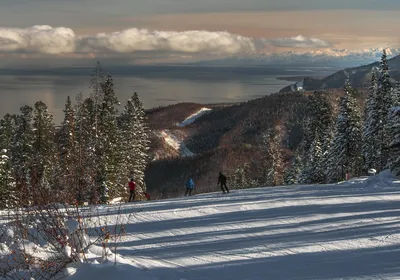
(175, 143)
(193, 117)
(343, 231)
(171, 139)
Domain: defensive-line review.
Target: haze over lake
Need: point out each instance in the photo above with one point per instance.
(156, 85)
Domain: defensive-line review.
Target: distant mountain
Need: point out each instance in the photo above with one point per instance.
(359, 77)
(334, 57)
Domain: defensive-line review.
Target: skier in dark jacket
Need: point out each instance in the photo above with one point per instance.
(189, 187)
(132, 189)
(222, 181)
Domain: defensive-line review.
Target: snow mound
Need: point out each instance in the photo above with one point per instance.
(193, 117)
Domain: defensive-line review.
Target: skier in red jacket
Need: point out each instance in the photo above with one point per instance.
(132, 188)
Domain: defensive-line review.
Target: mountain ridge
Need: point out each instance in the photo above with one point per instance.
(359, 77)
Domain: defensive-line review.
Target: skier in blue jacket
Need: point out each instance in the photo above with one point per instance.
(189, 187)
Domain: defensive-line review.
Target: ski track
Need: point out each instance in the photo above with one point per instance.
(344, 231)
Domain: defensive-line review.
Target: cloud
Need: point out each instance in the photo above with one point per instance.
(134, 42)
(299, 42)
(37, 39)
(195, 41)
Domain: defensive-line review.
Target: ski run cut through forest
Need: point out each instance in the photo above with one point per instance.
(348, 230)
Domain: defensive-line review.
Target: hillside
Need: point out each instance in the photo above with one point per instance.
(223, 139)
(343, 231)
(359, 77)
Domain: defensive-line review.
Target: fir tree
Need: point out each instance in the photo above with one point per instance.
(383, 104)
(314, 171)
(292, 175)
(22, 153)
(43, 159)
(7, 181)
(85, 150)
(274, 164)
(135, 137)
(345, 152)
(370, 128)
(394, 122)
(66, 149)
(241, 179)
(317, 137)
(109, 154)
(395, 95)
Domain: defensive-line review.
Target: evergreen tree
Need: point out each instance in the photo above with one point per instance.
(292, 175)
(135, 138)
(22, 153)
(383, 103)
(86, 164)
(66, 149)
(274, 164)
(109, 154)
(314, 171)
(7, 181)
(43, 145)
(241, 179)
(345, 152)
(394, 122)
(317, 137)
(370, 128)
(395, 95)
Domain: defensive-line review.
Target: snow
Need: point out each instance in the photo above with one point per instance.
(342, 231)
(175, 143)
(348, 230)
(193, 117)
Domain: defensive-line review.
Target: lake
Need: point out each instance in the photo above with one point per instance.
(156, 85)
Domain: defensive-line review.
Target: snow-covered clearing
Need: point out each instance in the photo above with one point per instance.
(343, 231)
(194, 116)
(175, 143)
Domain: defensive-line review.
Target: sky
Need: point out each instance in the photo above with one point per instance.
(163, 30)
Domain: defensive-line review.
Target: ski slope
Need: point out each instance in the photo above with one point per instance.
(343, 231)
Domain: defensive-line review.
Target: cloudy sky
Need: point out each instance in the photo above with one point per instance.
(162, 30)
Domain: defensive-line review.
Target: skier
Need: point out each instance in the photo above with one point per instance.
(147, 195)
(189, 187)
(222, 181)
(132, 188)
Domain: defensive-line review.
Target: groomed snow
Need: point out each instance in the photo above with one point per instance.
(343, 231)
(194, 116)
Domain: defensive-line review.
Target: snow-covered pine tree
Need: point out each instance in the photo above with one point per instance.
(395, 95)
(274, 164)
(85, 129)
(66, 149)
(371, 126)
(135, 136)
(241, 179)
(394, 123)
(22, 153)
(317, 136)
(383, 103)
(44, 157)
(345, 153)
(7, 181)
(292, 174)
(109, 149)
(314, 171)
